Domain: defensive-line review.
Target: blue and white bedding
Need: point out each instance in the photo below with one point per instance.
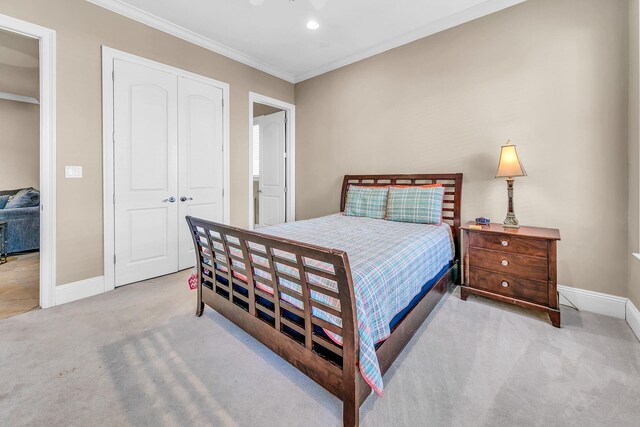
(390, 262)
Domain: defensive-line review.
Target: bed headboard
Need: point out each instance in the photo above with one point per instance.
(452, 183)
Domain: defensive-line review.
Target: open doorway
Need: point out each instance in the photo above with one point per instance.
(45, 128)
(269, 165)
(19, 174)
(271, 159)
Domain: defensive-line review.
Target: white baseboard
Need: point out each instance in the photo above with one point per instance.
(78, 290)
(633, 318)
(608, 305)
(595, 302)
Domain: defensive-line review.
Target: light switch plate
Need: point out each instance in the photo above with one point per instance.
(73, 171)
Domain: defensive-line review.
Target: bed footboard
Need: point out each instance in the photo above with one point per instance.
(274, 288)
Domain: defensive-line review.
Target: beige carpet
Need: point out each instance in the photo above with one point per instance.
(138, 356)
(19, 284)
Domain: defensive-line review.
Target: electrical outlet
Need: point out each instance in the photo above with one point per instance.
(73, 171)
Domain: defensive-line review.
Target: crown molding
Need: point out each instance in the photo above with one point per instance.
(454, 20)
(163, 25)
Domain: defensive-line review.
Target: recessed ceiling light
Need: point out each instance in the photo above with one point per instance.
(313, 25)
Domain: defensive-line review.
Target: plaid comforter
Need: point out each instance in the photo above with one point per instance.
(390, 262)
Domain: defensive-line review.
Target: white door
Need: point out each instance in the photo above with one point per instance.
(272, 169)
(200, 133)
(146, 172)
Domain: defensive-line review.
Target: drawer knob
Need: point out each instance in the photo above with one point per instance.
(505, 243)
(504, 262)
(505, 284)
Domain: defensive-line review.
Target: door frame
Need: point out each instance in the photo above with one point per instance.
(108, 57)
(290, 147)
(47, 77)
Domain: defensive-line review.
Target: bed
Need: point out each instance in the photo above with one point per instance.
(331, 322)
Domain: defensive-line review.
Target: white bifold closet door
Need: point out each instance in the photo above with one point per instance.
(272, 189)
(167, 164)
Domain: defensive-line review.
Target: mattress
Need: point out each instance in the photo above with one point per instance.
(392, 263)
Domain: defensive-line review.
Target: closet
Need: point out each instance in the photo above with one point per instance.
(168, 163)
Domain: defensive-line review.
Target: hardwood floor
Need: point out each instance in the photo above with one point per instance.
(19, 284)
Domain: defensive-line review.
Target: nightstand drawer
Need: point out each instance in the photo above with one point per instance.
(535, 268)
(499, 242)
(508, 285)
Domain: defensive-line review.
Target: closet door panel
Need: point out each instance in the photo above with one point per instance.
(200, 130)
(145, 171)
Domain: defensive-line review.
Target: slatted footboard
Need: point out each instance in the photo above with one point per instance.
(273, 288)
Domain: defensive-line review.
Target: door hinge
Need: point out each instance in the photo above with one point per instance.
(285, 155)
(222, 102)
(285, 120)
(285, 190)
(114, 259)
(113, 136)
(113, 75)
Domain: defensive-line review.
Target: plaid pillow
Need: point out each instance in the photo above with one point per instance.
(366, 201)
(415, 204)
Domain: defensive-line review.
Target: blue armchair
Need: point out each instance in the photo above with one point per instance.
(23, 227)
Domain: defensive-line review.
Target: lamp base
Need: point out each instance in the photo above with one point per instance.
(511, 221)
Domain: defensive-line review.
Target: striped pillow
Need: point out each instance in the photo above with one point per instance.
(415, 204)
(366, 201)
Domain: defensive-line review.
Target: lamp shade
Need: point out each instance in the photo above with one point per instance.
(509, 164)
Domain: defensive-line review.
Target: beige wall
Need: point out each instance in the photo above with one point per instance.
(549, 75)
(634, 154)
(19, 145)
(533, 73)
(19, 121)
(19, 64)
(263, 110)
(19, 80)
(81, 29)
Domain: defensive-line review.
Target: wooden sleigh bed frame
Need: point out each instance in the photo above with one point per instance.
(291, 332)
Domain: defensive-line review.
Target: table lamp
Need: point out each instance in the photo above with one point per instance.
(509, 167)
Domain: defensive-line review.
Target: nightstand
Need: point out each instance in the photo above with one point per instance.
(516, 266)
